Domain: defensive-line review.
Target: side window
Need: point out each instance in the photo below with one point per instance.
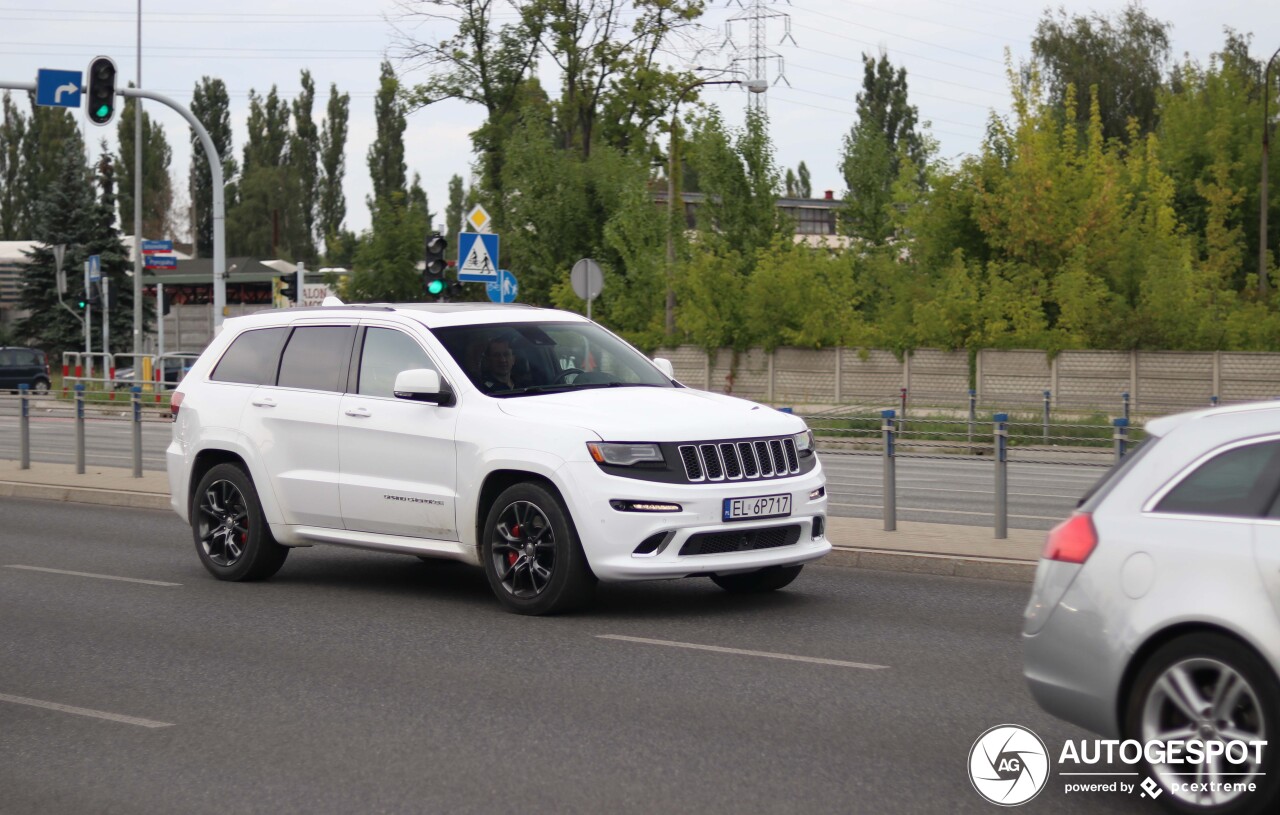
(26, 357)
(316, 358)
(252, 358)
(8, 358)
(386, 353)
(1237, 483)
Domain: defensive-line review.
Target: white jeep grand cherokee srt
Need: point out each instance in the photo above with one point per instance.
(532, 442)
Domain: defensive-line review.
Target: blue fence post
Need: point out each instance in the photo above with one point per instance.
(973, 412)
(1001, 432)
(890, 475)
(1121, 436)
(24, 428)
(135, 396)
(1047, 395)
(1213, 401)
(1125, 396)
(79, 428)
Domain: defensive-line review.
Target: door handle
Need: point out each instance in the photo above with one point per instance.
(264, 402)
(359, 413)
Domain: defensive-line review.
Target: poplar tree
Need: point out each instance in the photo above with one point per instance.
(211, 105)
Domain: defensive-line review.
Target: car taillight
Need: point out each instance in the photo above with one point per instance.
(1071, 541)
(175, 402)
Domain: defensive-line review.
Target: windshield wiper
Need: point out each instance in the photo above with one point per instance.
(586, 385)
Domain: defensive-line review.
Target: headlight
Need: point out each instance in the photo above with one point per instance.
(624, 454)
(804, 442)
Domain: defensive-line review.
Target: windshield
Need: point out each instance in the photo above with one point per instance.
(521, 359)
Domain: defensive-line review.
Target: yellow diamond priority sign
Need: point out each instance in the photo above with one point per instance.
(479, 219)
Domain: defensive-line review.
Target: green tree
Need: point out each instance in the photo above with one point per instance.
(13, 131)
(211, 106)
(386, 258)
(1124, 57)
(453, 212)
(333, 145)
(304, 158)
(884, 138)
(386, 154)
(68, 213)
(267, 221)
(50, 133)
(157, 183)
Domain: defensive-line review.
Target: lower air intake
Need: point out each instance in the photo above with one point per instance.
(743, 540)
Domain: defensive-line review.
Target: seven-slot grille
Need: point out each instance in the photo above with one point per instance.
(740, 461)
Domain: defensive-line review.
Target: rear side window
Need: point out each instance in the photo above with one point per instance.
(26, 358)
(252, 358)
(316, 358)
(1238, 483)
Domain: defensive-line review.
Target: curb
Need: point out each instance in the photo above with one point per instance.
(986, 568)
(84, 495)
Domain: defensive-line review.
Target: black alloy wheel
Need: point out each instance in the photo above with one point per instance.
(532, 556)
(232, 538)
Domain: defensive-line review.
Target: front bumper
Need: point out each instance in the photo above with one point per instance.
(610, 537)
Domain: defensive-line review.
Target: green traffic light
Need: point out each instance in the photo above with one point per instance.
(104, 111)
(435, 287)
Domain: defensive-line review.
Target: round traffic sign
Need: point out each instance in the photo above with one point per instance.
(587, 279)
(504, 289)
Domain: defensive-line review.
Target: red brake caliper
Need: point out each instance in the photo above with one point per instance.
(512, 557)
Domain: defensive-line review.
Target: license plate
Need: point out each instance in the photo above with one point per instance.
(760, 506)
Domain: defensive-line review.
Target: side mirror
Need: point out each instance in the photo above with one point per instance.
(422, 385)
(663, 364)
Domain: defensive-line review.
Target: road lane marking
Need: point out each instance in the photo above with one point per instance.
(90, 574)
(721, 650)
(83, 711)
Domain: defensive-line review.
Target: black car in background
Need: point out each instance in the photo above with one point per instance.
(24, 366)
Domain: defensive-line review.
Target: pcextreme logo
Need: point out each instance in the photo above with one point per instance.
(1009, 765)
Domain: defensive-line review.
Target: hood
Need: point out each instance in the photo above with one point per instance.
(654, 414)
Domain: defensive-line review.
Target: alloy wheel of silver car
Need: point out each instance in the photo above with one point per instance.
(223, 525)
(1206, 699)
(524, 549)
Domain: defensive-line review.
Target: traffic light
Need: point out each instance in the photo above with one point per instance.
(113, 293)
(289, 286)
(166, 303)
(91, 298)
(101, 99)
(433, 271)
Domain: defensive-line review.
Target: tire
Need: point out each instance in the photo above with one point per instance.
(41, 387)
(770, 578)
(531, 553)
(1250, 710)
(231, 534)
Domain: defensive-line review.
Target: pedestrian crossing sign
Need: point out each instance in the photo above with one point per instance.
(477, 257)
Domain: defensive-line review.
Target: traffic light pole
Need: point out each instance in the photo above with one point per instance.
(88, 323)
(219, 202)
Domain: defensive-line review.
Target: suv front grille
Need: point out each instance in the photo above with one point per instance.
(744, 540)
(740, 461)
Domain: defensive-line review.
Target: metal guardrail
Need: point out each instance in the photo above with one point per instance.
(78, 409)
(893, 436)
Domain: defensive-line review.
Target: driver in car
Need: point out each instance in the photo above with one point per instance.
(498, 364)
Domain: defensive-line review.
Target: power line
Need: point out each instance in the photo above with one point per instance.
(852, 113)
(884, 10)
(900, 36)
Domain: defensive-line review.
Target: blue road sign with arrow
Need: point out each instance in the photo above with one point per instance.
(477, 257)
(504, 289)
(58, 89)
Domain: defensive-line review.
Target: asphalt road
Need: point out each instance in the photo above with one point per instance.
(361, 682)
(952, 491)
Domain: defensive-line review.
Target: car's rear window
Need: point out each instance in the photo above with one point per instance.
(316, 358)
(1239, 483)
(252, 358)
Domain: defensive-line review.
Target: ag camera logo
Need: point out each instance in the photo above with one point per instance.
(1009, 765)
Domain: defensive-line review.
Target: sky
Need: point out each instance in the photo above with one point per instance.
(953, 50)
